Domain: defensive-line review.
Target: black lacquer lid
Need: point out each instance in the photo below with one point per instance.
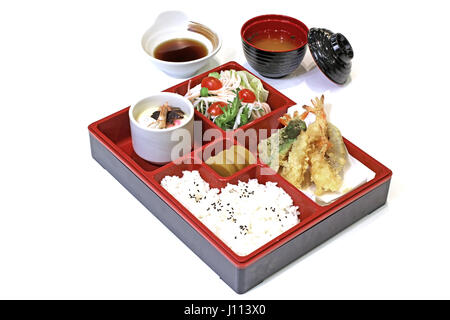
(332, 53)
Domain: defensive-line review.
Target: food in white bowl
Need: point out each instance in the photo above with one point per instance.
(180, 47)
(245, 216)
(161, 117)
(167, 137)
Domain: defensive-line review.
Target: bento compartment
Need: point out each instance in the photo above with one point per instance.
(225, 157)
(352, 184)
(276, 99)
(375, 171)
(116, 128)
(116, 131)
(193, 198)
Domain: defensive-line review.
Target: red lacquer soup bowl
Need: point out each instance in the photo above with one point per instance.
(274, 45)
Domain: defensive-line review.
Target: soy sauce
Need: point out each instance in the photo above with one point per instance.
(180, 50)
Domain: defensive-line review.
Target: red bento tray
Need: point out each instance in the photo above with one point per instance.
(113, 133)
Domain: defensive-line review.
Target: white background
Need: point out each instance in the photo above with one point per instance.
(69, 230)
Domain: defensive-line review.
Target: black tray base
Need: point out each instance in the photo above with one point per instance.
(239, 279)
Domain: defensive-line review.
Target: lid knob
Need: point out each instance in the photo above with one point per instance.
(341, 47)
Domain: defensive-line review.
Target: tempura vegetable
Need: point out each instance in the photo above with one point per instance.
(274, 150)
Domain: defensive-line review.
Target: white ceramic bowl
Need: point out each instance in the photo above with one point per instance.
(161, 146)
(175, 24)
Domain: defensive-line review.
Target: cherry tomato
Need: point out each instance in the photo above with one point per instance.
(211, 83)
(247, 96)
(214, 109)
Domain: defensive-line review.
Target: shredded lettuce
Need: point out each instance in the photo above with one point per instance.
(214, 75)
(249, 81)
(245, 116)
(227, 118)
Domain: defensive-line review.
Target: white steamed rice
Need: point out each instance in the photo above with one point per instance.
(244, 216)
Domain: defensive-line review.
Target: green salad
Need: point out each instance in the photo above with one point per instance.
(230, 99)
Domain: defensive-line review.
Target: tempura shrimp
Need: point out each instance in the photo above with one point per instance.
(318, 155)
(328, 153)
